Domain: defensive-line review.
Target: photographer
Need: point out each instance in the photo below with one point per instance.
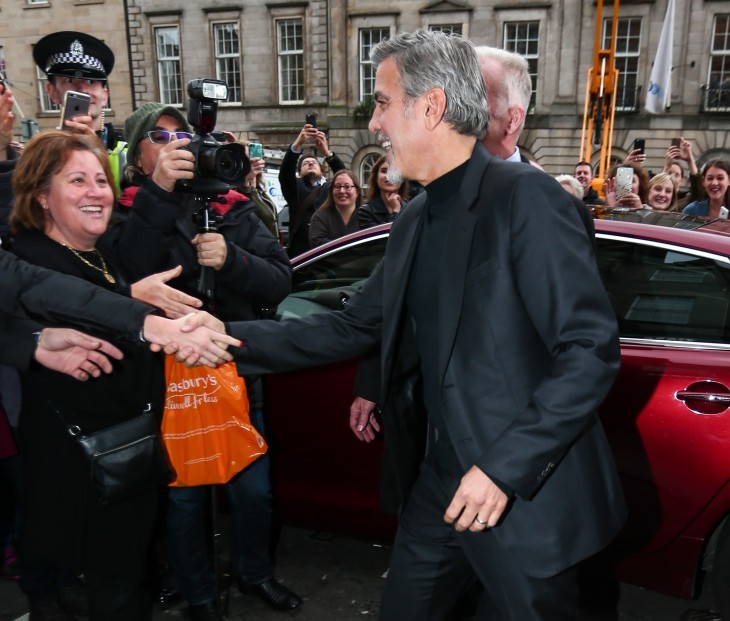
(252, 272)
(305, 194)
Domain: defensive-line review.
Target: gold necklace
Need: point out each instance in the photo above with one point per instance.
(103, 269)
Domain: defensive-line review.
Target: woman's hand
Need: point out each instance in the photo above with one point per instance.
(609, 191)
(630, 201)
(212, 249)
(153, 291)
(635, 156)
(393, 202)
(173, 164)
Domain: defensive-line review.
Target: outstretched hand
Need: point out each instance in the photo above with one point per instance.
(75, 353)
(154, 291)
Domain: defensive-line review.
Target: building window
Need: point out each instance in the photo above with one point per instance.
(369, 38)
(457, 29)
(524, 38)
(290, 54)
(717, 94)
(228, 58)
(626, 60)
(169, 70)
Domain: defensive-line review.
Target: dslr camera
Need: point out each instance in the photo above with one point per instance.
(217, 166)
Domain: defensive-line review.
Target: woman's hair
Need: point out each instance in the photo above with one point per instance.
(330, 201)
(430, 58)
(663, 177)
(722, 164)
(373, 187)
(574, 184)
(43, 157)
(640, 173)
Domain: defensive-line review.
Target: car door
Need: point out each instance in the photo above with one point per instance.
(667, 415)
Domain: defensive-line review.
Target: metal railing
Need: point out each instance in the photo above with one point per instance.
(715, 98)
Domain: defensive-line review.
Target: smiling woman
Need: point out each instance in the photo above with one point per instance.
(338, 214)
(63, 203)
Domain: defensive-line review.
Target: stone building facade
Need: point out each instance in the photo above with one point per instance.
(286, 58)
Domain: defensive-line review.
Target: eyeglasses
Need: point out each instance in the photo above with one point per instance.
(161, 136)
(343, 186)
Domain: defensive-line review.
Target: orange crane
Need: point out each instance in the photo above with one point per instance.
(600, 99)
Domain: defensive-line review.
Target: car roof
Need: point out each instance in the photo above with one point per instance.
(673, 228)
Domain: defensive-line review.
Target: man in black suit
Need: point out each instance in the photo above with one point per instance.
(498, 343)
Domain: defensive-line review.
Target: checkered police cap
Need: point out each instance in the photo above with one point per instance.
(74, 54)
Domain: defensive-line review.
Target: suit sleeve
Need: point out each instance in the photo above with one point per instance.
(272, 347)
(17, 344)
(26, 290)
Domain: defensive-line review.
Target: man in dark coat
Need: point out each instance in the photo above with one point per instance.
(491, 315)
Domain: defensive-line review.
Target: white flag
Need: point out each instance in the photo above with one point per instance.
(659, 91)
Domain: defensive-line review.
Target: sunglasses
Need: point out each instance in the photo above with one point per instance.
(161, 136)
(343, 186)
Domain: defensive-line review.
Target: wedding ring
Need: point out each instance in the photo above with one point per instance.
(478, 521)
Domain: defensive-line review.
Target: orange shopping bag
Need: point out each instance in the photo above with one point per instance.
(205, 425)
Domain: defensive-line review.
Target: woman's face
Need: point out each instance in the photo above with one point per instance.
(79, 201)
(148, 152)
(660, 195)
(635, 184)
(383, 184)
(344, 191)
(715, 183)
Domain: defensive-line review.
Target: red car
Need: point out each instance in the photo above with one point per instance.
(666, 417)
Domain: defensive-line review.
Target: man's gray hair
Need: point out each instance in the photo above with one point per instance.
(516, 75)
(426, 59)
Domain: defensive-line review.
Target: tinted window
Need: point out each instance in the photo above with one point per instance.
(665, 294)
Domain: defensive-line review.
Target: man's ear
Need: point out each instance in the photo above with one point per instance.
(516, 118)
(53, 92)
(435, 107)
(105, 97)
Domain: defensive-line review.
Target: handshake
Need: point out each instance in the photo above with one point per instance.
(195, 339)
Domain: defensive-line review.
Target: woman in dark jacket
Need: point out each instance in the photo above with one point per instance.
(63, 201)
(384, 199)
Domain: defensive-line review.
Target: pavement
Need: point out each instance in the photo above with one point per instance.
(341, 580)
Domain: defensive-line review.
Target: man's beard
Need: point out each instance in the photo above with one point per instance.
(394, 176)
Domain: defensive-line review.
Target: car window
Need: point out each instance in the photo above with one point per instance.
(665, 293)
(329, 281)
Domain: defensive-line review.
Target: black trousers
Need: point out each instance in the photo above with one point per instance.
(433, 565)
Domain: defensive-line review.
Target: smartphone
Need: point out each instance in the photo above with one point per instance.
(624, 180)
(74, 104)
(676, 142)
(639, 143)
(723, 212)
(255, 149)
(311, 120)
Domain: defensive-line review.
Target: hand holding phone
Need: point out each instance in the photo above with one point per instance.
(255, 149)
(74, 104)
(624, 181)
(639, 145)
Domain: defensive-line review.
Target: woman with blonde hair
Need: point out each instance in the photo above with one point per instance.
(662, 194)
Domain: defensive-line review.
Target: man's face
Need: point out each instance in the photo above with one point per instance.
(58, 85)
(584, 174)
(498, 109)
(396, 124)
(310, 168)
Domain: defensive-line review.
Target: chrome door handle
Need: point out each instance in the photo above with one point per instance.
(686, 395)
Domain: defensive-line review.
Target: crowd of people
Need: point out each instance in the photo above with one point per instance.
(513, 498)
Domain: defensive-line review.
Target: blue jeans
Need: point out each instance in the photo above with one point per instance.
(249, 493)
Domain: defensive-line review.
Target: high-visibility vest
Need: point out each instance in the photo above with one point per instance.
(118, 162)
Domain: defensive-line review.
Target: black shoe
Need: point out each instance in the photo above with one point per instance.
(273, 593)
(168, 598)
(204, 612)
(49, 611)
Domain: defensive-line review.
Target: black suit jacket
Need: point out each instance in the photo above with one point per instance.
(527, 350)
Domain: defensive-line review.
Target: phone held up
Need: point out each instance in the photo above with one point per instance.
(74, 104)
(255, 149)
(639, 144)
(676, 142)
(311, 119)
(624, 180)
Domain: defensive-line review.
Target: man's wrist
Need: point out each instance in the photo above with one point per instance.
(37, 336)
